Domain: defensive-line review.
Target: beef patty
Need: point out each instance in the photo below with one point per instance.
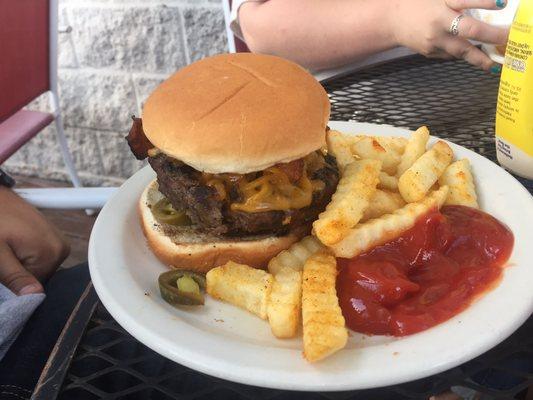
(183, 187)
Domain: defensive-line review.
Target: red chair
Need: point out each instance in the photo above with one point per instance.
(28, 68)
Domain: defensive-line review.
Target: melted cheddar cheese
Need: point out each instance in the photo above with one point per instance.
(272, 191)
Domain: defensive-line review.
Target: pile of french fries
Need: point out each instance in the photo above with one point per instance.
(386, 184)
(298, 287)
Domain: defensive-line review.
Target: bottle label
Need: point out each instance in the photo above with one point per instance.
(514, 159)
(514, 114)
(504, 149)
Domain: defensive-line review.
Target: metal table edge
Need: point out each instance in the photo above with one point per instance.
(57, 366)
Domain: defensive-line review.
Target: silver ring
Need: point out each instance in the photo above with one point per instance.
(454, 27)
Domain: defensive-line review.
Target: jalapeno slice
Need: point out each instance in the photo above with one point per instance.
(165, 213)
(182, 288)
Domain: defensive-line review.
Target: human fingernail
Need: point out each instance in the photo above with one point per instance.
(500, 3)
(30, 289)
(496, 69)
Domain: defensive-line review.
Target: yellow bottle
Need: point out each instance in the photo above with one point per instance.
(514, 115)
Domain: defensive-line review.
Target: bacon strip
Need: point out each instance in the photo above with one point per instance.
(294, 169)
(137, 140)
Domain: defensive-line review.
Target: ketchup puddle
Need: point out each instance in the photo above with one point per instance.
(427, 275)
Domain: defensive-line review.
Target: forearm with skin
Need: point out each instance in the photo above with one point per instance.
(318, 34)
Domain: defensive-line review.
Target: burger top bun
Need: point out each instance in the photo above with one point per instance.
(237, 113)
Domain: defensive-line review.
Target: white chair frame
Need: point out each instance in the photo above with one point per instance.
(227, 21)
(54, 95)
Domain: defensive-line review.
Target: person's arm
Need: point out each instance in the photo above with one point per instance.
(323, 34)
(316, 33)
(31, 249)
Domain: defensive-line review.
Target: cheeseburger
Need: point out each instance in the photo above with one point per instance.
(236, 141)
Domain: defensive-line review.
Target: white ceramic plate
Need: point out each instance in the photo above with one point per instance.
(223, 341)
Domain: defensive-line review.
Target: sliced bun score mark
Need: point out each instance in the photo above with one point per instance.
(252, 73)
(224, 101)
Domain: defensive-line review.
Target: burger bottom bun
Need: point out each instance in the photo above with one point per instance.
(183, 248)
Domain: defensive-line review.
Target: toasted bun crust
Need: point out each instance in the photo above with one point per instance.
(237, 113)
(183, 249)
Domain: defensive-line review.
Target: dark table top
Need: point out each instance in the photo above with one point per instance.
(455, 100)
(96, 359)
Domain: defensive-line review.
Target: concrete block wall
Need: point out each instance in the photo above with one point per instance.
(117, 52)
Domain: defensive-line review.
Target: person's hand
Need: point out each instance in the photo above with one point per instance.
(424, 26)
(31, 249)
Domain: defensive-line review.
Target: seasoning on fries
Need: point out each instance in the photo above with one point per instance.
(242, 286)
(387, 182)
(458, 177)
(324, 330)
(348, 203)
(422, 175)
(381, 230)
(296, 255)
(370, 148)
(415, 147)
(285, 303)
(382, 202)
(339, 146)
